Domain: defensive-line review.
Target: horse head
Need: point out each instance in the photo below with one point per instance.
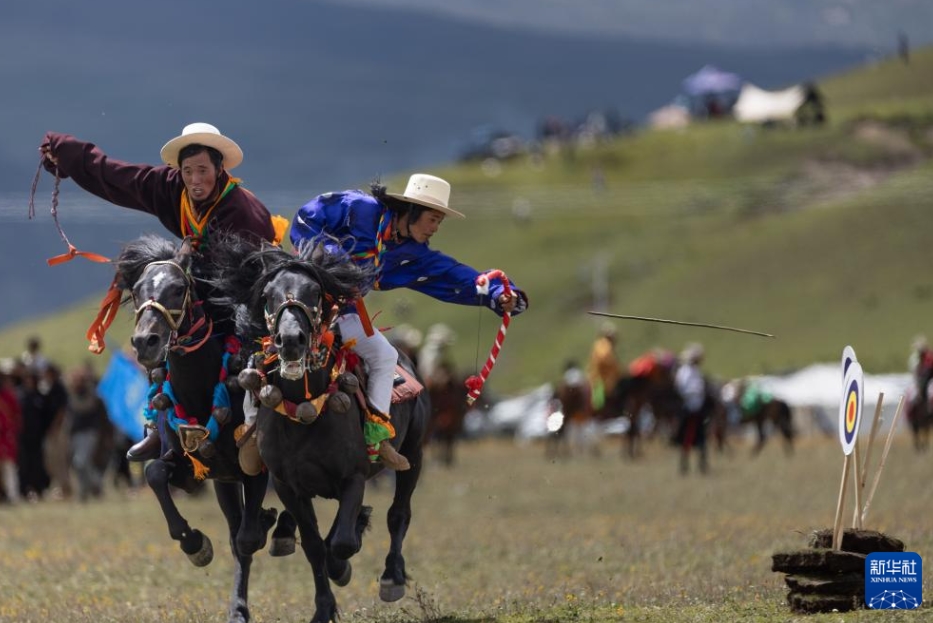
(293, 304)
(159, 279)
(286, 297)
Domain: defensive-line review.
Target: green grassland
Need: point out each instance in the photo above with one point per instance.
(506, 537)
(819, 236)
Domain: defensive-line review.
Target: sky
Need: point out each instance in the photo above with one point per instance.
(858, 23)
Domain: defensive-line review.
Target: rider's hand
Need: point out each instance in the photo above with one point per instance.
(508, 302)
(49, 161)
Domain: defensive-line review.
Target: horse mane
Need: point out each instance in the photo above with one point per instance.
(242, 271)
(136, 255)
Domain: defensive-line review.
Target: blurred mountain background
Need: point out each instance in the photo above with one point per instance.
(712, 221)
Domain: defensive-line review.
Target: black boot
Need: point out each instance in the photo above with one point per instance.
(147, 449)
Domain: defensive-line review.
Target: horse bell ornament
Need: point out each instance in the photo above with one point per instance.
(161, 402)
(221, 415)
(339, 402)
(250, 379)
(306, 413)
(270, 396)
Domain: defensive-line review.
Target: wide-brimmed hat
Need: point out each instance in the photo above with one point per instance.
(202, 134)
(428, 191)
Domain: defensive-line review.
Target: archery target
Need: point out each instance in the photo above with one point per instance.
(850, 408)
(848, 356)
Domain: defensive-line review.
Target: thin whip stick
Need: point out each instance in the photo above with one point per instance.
(681, 322)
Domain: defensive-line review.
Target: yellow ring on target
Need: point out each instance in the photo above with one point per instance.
(851, 409)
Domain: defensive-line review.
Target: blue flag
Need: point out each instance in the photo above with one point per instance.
(124, 390)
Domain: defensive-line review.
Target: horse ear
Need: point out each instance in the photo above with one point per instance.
(187, 247)
(317, 253)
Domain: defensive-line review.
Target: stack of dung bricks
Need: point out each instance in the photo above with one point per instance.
(821, 579)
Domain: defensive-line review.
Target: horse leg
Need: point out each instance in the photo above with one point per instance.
(283, 537)
(339, 569)
(762, 436)
(343, 540)
(325, 604)
(251, 536)
(193, 542)
(231, 503)
(448, 449)
(787, 429)
(392, 582)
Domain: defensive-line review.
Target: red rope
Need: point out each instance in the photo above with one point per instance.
(475, 383)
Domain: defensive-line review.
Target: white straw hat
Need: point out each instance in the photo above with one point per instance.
(429, 191)
(202, 134)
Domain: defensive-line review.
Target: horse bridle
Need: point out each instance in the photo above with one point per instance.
(174, 317)
(315, 318)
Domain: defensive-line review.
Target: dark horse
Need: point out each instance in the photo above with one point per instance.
(310, 421)
(171, 324)
(763, 411)
(919, 412)
(649, 383)
(448, 410)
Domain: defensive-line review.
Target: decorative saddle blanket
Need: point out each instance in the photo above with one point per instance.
(406, 387)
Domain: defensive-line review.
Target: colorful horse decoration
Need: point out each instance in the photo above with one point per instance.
(195, 404)
(312, 411)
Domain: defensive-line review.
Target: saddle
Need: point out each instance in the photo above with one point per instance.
(405, 386)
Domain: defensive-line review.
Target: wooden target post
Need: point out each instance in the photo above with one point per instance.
(884, 457)
(857, 519)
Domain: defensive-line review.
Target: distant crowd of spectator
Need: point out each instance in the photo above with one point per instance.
(56, 439)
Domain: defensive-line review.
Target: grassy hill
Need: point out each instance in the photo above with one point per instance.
(819, 236)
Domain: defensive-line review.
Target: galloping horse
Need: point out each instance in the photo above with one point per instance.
(764, 411)
(649, 382)
(310, 420)
(171, 324)
(919, 410)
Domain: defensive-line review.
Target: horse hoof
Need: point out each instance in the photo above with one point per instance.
(270, 396)
(250, 379)
(161, 402)
(203, 556)
(348, 383)
(282, 546)
(239, 612)
(390, 591)
(339, 402)
(306, 413)
(157, 376)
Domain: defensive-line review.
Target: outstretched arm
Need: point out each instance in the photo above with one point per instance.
(135, 186)
(444, 278)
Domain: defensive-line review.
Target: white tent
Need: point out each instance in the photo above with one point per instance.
(759, 106)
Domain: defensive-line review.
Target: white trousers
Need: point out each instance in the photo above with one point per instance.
(376, 352)
(379, 356)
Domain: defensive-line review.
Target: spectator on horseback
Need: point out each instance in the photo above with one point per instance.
(691, 385)
(920, 364)
(391, 232)
(604, 368)
(192, 194)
